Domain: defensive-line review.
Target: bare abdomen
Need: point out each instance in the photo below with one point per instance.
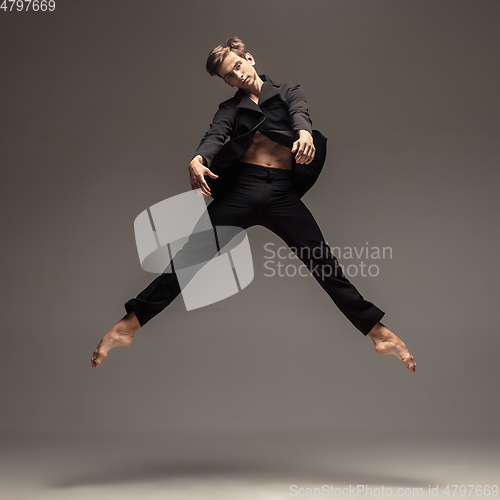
(268, 153)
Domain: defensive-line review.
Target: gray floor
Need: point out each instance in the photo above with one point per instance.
(244, 466)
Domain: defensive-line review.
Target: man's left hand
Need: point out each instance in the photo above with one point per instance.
(304, 147)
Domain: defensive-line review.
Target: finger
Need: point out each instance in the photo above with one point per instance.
(308, 155)
(211, 174)
(312, 156)
(198, 189)
(301, 155)
(204, 188)
(308, 152)
(202, 191)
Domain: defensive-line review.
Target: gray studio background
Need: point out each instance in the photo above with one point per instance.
(103, 104)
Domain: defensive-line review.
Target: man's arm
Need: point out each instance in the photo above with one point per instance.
(212, 141)
(298, 110)
(215, 136)
(301, 122)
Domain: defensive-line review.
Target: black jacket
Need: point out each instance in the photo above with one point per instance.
(280, 114)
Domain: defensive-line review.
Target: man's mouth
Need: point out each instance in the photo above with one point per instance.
(246, 79)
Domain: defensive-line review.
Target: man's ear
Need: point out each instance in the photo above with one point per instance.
(250, 58)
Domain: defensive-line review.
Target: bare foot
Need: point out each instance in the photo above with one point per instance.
(120, 335)
(387, 343)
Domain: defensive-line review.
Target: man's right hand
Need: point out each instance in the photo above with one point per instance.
(197, 172)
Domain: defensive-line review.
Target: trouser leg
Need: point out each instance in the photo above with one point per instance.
(230, 210)
(291, 220)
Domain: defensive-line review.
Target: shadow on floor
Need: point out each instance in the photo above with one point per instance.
(231, 470)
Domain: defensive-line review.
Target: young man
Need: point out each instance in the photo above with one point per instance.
(257, 159)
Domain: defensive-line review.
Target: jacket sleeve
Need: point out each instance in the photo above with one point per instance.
(297, 108)
(216, 135)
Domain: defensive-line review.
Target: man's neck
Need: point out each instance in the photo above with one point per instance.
(254, 91)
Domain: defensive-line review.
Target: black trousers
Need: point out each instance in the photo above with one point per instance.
(266, 196)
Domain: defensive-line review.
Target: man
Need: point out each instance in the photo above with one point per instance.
(262, 144)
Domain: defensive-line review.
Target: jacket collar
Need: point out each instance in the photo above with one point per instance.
(267, 91)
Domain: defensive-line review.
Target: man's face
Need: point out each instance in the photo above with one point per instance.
(238, 71)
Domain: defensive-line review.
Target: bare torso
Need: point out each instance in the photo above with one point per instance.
(268, 153)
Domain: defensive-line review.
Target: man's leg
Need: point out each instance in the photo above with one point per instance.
(290, 219)
(233, 209)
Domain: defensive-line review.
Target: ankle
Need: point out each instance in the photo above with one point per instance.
(378, 332)
(128, 324)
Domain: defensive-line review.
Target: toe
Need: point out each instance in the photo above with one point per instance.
(97, 357)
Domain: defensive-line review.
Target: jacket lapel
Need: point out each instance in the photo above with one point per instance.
(247, 103)
(267, 91)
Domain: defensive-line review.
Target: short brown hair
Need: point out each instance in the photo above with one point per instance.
(218, 54)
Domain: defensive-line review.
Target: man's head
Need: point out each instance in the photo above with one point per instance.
(231, 62)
